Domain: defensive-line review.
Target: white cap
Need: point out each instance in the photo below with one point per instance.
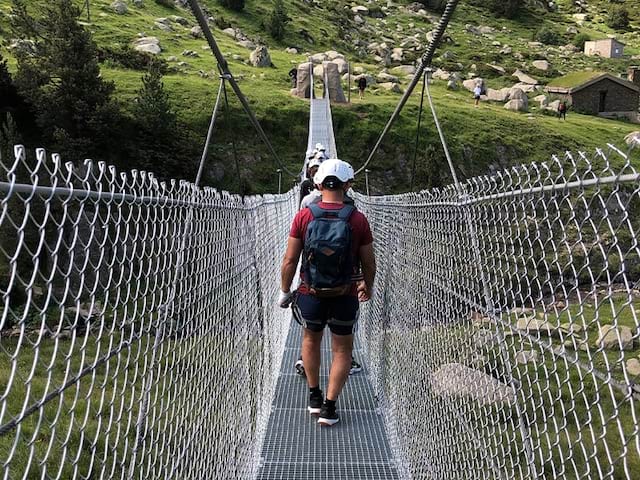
(333, 168)
(321, 155)
(320, 147)
(314, 162)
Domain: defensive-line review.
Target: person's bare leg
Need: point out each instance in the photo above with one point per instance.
(342, 347)
(311, 356)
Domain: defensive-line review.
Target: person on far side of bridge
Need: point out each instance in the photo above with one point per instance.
(362, 85)
(307, 185)
(334, 240)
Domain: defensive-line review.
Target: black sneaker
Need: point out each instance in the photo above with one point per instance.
(355, 367)
(328, 416)
(315, 402)
(300, 368)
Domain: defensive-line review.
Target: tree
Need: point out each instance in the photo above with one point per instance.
(237, 5)
(278, 20)
(157, 131)
(502, 8)
(60, 79)
(580, 39)
(618, 19)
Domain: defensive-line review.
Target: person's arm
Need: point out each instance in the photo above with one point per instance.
(290, 263)
(368, 264)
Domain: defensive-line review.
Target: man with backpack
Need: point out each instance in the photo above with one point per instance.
(334, 240)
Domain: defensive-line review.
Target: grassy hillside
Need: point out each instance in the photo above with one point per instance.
(481, 139)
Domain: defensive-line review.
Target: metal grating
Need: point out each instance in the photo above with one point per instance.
(296, 447)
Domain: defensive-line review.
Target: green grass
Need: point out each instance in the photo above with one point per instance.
(574, 79)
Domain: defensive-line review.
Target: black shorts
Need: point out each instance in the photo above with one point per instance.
(340, 313)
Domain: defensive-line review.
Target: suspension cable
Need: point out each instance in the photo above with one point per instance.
(207, 142)
(415, 150)
(224, 67)
(425, 61)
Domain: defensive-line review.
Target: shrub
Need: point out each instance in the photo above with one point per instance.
(166, 3)
(618, 19)
(547, 36)
(237, 5)
(580, 39)
(278, 20)
(127, 57)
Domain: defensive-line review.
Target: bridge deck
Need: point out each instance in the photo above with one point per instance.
(297, 448)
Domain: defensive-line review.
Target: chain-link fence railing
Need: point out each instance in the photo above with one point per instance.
(137, 338)
(503, 337)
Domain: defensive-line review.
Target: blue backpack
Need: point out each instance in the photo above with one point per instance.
(327, 261)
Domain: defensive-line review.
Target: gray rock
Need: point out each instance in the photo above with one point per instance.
(172, 58)
(517, 94)
(248, 44)
(527, 356)
(360, 10)
(455, 379)
(318, 57)
(120, 7)
(542, 65)
(342, 65)
(441, 74)
(138, 3)
(291, 51)
(333, 55)
(452, 85)
(524, 78)
(190, 53)
(358, 20)
(334, 83)
(260, 57)
(397, 54)
(148, 45)
(526, 88)
(404, 70)
(391, 87)
(633, 367)
(506, 50)
(531, 324)
(180, 20)
(231, 32)
(196, 32)
(472, 83)
(164, 26)
(497, 68)
(612, 337)
(633, 139)
(385, 78)
(501, 95)
(543, 102)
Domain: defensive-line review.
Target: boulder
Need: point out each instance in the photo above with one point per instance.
(231, 32)
(138, 3)
(391, 87)
(385, 77)
(397, 54)
(318, 72)
(358, 20)
(148, 45)
(542, 100)
(441, 74)
(292, 51)
(452, 85)
(501, 95)
(517, 94)
(526, 88)
(531, 324)
(120, 7)
(248, 44)
(260, 57)
(506, 50)
(472, 83)
(360, 10)
(457, 380)
(165, 27)
(180, 20)
(334, 83)
(553, 106)
(196, 32)
(524, 78)
(343, 66)
(319, 57)
(615, 337)
(370, 80)
(333, 55)
(542, 65)
(497, 68)
(633, 368)
(633, 139)
(527, 356)
(404, 70)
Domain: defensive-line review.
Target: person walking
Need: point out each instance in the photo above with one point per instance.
(362, 85)
(307, 186)
(477, 93)
(293, 76)
(334, 240)
(562, 111)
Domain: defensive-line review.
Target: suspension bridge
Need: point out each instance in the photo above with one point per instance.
(140, 336)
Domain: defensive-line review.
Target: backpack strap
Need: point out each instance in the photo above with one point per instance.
(344, 213)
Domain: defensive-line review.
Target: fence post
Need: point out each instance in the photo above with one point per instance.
(366, 180)
(279, 172)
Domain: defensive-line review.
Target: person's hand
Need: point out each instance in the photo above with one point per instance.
(285, 298)
(364, 295)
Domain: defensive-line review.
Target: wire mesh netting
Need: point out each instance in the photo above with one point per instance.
(138, 335)
(503, 335)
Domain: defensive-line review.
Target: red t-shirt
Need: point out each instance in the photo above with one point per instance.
(361, 234)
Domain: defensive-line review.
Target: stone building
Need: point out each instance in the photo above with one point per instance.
(607, 48)
(598, 93)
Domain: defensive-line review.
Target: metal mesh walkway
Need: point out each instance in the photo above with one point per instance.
(297, 448)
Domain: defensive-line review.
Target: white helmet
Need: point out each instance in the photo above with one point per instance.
(320, 147)
(321, 155)
(314, 162)
(333, 168)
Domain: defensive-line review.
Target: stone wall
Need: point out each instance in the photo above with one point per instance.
(619, 98)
